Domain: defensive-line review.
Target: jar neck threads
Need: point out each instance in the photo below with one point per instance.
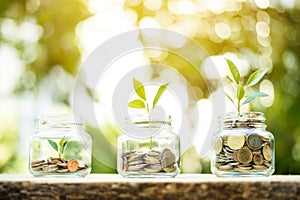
(245, 120)
(144, 123)
(59, 121)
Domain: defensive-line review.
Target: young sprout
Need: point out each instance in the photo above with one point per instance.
(253, 79)
(60, 147)
(142, 102)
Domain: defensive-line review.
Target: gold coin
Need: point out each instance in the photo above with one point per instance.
(260, 167)
(267, 152)
(243, 169)
(254, 141)
(235, 142)
(266, 139)
(244, 155)
(225, 167)
(267, 163)
(218, 145)
(258, 159)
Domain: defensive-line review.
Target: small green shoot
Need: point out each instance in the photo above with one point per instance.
(142, 102)
(60, 147)
(235, 77)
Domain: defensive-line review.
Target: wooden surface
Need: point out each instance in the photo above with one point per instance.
(185, 186)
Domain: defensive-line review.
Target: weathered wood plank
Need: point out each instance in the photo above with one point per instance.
(185, 186)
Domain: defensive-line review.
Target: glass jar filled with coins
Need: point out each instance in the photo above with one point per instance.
(149, 149)
(244, 147)
(60, 147)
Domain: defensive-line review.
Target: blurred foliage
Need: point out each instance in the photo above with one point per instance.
(8, 142)
(43, 33)
(56, 44)
(103, 149)
(264, 36)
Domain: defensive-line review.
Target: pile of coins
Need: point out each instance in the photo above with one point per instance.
(58, 165)
(151, 161)
(243, 153)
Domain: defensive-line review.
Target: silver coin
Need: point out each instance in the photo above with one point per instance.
(50, 168)
(136, 167)
(153, 168)
(134, 157)
(151, 160)
(153, 153)
(136, 162)
(62, 170)
(168, 159)
(63, 165)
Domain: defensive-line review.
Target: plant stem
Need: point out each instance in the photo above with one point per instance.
(239, 107)
(150, 120)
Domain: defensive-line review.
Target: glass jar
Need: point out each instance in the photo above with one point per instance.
(60, 147)
(244, 147)
(153, 152)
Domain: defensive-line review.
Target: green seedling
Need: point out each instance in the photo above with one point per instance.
(240, 87)
(142, 102)
(60, 146)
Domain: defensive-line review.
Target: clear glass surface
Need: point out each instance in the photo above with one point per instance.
(60, 147)
(244, 147)
(155, 156)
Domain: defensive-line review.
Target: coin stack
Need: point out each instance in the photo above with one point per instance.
(151, 161)
(243, 153)
(58, 165)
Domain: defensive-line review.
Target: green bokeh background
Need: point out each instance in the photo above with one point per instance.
(54, 58)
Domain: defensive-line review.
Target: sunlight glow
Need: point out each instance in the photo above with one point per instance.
(97, 29)
(223, 30)
(153, 5)
(214, 67)
(11, 68)
(263, 4)
(267, 87)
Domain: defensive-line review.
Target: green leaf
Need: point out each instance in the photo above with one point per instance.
(240, 92)
(254, 95)
(255, 77)
(234, 72)
(137, 104)
(248, 100)
(53, 145)
(62, 141)
(139, 89)
(258, 94)
(64, 147)
(160, 91)
(229, 98)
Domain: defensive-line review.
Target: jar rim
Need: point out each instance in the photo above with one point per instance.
(245, 120)
(244, 117)
(59, 119)
(142, 119)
